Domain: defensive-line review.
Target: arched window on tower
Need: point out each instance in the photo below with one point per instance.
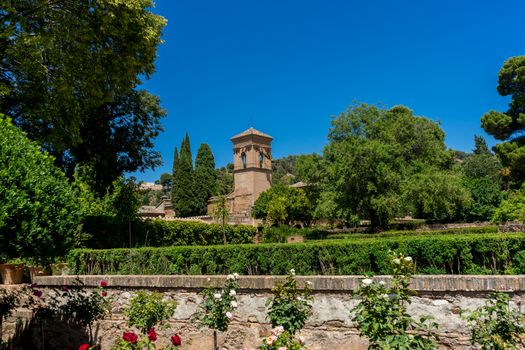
(261, 159)
(243, 158)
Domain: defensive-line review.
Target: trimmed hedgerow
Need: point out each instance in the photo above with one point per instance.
(159, 233)
(113, 233)
(464, 230)
(436, 254)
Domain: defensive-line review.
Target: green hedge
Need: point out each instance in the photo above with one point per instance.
(465, 230)
(435, 254)
(159, 233)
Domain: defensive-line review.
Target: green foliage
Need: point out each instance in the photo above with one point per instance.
(371, 152)
(280, 339)
(70, 72)
(218, 305)
(381, 314)
(166, 180)
(283, 170)
(480, 146)
(289, 307)
(39, 213)
(512, 208)
(509, 126)
(183, 192)
(437, 196)
(484, 253)
(113, 232)
(205, 178)
(282, 204)
(106, 219)
(84, 307)
(147, 310)
(496, 325)
(225, 180)
(149, 197)
(486, 197)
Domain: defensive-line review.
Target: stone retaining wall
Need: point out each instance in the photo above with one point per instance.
(330, 327)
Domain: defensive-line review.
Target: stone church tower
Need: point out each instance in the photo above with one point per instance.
(252, 174)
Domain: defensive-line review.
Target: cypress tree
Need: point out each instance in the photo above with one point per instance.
(183, 194)
(205, 177)
(174, 183)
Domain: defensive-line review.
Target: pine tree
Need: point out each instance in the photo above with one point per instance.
(205, 177)
(183, 193)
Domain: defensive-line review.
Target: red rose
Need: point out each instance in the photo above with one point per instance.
(130, 337)
(84, 347)
(104, 294)
(152, 335)
(175, 340)
(103, 283)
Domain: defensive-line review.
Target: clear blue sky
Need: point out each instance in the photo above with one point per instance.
(286, 67)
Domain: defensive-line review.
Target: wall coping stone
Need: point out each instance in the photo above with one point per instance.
(420, 283)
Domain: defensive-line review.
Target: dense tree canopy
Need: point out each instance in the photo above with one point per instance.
(39, 211)
(69, 72)
(510, 125)
(283, 204)
(371, 153)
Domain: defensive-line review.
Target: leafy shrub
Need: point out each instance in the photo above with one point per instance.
(466, 230)
(217, 306)
(281, 339)
(289, 306)
(39, 213)
(381, 314)
(457, 254)
(147, 310)
(496, 326)
(160, 233)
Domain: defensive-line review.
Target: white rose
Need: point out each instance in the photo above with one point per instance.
(397, 261)
(292, 272)
(299, 298)
(366, 281)
(217, 295)
(408, 258)
(229, 315)
(230, 277)
(235, 275)
(233, 304)
(232, 292)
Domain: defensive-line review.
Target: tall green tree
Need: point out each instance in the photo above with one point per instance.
(480, 145)
(482, 172)
(371, 151)
(225, 179)
(69, 77)
(40, 214)
(205, 178)
(509, 126)
(183, 194)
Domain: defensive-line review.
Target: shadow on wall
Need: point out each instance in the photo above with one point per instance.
(41, 333)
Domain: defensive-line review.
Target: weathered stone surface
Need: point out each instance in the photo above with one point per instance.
(330, 327)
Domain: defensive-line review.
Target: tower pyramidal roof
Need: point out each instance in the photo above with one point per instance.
(251, 131)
